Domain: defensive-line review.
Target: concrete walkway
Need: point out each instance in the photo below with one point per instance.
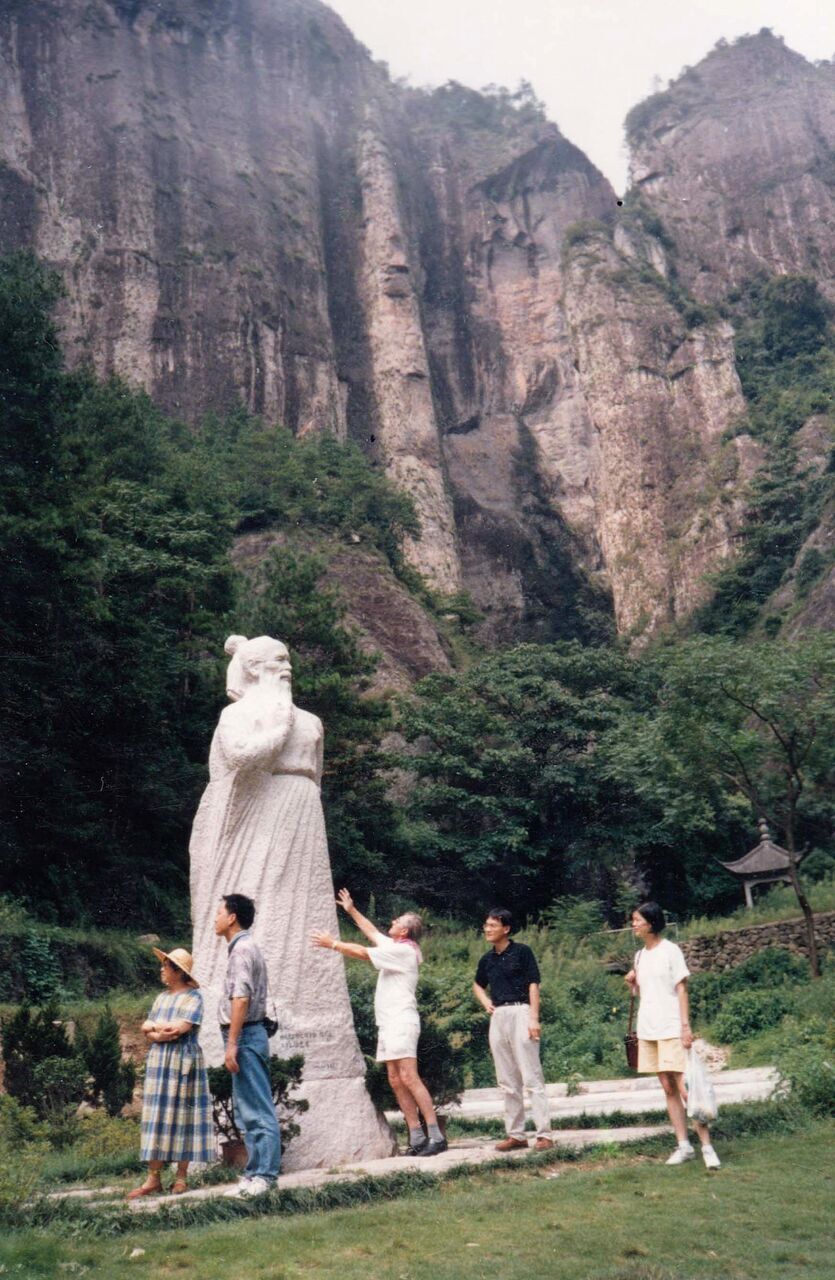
(602, 1097)
(593, 1097)
(464, 1151)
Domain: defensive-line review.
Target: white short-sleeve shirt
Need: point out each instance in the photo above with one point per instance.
(397, 964)
(659, 970)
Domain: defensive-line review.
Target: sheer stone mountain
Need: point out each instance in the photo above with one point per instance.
(245, 207)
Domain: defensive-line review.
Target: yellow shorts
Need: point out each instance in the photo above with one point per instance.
(661, 1055)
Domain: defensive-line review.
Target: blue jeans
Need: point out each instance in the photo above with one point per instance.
(253, 1103)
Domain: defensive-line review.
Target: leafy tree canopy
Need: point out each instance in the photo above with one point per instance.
(510, 802)
(735, 733)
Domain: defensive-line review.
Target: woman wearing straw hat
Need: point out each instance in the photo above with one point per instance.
(176, 1104)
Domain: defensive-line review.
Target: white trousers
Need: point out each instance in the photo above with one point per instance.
(516, 1057)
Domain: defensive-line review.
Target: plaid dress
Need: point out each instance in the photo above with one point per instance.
(176, 1104)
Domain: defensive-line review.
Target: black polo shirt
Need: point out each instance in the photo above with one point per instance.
(508, 974)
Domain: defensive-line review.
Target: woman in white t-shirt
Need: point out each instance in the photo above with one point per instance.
(660, 977)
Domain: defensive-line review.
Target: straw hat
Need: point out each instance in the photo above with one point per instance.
(181, 958)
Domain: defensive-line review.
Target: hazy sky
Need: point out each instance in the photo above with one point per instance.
(590, 60)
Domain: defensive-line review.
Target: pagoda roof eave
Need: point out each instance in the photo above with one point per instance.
(767, 857)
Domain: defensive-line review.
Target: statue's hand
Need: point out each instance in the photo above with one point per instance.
(345, 900)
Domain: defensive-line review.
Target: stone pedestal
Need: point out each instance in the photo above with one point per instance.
(341, 1126)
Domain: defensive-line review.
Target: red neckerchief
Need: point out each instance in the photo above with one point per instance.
(411, 942)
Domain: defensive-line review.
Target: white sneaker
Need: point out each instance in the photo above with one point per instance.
(682, 1154)
(255, 1187)
(239, 1187)
(710, 1158)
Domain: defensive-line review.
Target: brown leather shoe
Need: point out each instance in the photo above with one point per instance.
(511, 1144)
(543, 1144)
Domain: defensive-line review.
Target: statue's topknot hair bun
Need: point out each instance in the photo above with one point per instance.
(233, 644)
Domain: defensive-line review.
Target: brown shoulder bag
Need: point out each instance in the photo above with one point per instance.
(630, 1040)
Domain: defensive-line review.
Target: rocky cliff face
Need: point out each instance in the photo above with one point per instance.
(737, 159)
(245, 208)
(661, 393)
(385, 617)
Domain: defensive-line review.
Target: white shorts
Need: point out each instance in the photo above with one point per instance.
(398, 1039)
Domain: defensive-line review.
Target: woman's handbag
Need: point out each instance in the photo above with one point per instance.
(630, 1040)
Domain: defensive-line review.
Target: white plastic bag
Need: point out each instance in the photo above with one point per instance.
(701, 1098)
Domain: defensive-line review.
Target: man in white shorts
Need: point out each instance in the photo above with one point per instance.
(397, 959)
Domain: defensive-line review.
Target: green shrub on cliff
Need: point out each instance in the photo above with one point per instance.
(493, 108)
(270, 479)
(785, 356)
(585, 230)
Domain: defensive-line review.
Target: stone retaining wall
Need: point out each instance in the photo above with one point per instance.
(727, 949)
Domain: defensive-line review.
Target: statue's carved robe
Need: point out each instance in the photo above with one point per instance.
(260, 831)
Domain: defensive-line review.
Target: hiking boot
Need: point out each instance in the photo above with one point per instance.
(433, 1147)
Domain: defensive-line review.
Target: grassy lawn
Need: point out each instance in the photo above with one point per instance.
(765, 1214)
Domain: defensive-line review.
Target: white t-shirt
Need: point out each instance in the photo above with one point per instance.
(659, 970)
(397, 964)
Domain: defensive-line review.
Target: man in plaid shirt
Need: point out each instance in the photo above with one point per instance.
(241, 1011)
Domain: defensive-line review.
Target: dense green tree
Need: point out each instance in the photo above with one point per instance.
(40, 549)
(108, 735)
(509, 802)
(30, 1037)
(111, 1078)
(744, 728)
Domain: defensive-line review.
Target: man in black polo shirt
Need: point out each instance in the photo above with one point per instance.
(511, 973)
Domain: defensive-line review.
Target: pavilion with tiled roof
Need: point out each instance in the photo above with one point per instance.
(766, 863)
